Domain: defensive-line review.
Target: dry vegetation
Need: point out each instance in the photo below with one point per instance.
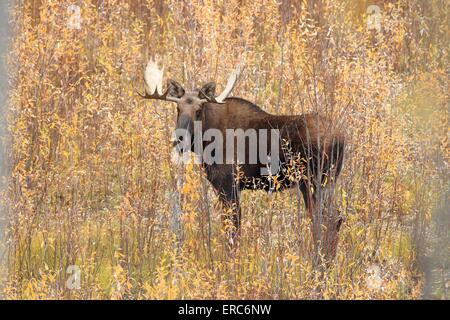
(91, 181)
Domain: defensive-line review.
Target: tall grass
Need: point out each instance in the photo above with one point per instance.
(92, 183)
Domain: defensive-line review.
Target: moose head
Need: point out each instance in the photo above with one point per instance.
(189, 103)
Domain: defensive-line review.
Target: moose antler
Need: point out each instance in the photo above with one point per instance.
(153, 77)
(232, 79)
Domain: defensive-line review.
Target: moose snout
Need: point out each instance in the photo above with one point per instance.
(181, 141)
(184, 122)
(183, 134)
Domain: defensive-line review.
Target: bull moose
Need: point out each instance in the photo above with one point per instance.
(310, 151)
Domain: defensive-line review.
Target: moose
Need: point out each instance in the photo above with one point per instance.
(310, 152)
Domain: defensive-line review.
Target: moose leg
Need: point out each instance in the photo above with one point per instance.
(308, 198)
(222, 179)
(326, 222)
(311, 204)
(332, 221)
(232, 216)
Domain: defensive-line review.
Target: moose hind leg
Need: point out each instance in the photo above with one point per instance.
(312, 207)
(326, 222)
(308, 198)
(332, 220)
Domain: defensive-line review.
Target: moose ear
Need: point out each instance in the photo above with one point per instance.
(174, 89)
(209, 90)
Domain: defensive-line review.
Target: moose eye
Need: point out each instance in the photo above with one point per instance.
(198, 113)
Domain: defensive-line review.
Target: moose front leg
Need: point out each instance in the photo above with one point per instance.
(232, 215)
(222, 179)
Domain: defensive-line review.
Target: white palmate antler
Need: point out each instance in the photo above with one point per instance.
(232, 79)
(153, 77)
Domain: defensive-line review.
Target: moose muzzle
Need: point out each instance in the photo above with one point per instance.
(184, 134)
